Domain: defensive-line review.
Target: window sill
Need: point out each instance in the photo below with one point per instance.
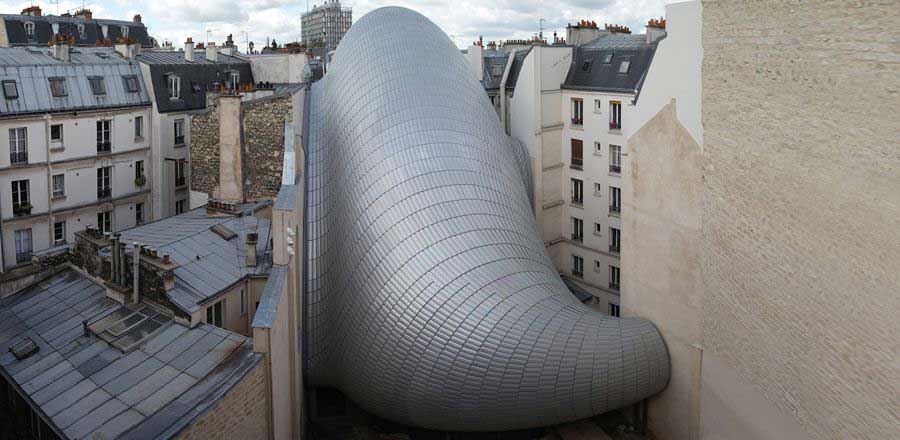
(615, 214)
(61, 197)
(58, 243)
(138, 139)
(615, 131)
(577, 167)
(57, 147)
(579, 127)
(577, 205)
(597, 234)
(598, 154)
(179, 145)
(615, 174)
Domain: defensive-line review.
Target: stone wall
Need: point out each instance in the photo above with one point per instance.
(801, 237)
(263, 138)
(243, 413)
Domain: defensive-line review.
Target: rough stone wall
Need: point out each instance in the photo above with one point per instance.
(263, 136)
(243, 413)
(801, 237)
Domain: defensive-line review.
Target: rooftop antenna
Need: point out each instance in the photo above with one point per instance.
(541, 24)
(52, 2)
(453, 38)
(247, 41)
(209, 31)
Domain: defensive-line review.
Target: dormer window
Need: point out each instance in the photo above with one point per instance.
(98, 87)
(81, 31)
(174, 87)
(58, 87)
(607, 58)
(235, 79)
(124, 31)
(29, 30)
(131, 84)
(9, 89)
(623, 66)
(586, 67)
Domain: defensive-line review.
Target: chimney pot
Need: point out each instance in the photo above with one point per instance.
(137, 18)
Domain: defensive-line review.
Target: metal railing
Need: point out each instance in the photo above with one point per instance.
(23, 257)
(614, 248)
(104, 193)
(104, 147)
(615, 208)
(615, 169)
(18, 157)
(614, 286)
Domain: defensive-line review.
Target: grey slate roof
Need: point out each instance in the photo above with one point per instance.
(30, 67)
(208, 263)
(177, 57)
(88, 389)
(492, 78)
(93, 29)
(601, 76)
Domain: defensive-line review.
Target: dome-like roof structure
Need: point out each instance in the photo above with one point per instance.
(429, 298)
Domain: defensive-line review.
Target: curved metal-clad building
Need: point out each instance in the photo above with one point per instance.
(430, 300)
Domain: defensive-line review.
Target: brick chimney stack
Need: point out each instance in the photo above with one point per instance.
(85, 14)
(34, 11)
(137, 18)
(212, 53)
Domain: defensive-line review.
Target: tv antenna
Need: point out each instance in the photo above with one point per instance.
(541, 24)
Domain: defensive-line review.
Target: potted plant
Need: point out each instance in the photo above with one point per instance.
(23, 209)
(140, 180)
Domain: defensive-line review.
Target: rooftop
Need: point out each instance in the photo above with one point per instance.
(611, 63)
(177, 57)
(88, 386)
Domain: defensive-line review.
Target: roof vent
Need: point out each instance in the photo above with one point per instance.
(24, 348)
(222, 231)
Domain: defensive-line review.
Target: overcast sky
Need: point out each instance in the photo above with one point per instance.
(256, 20)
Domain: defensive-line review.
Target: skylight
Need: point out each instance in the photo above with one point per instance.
(24, 348)
(9, 89)
(98, 87)
(623, 67)
(586, 67)
(222, 231)
(607, 58)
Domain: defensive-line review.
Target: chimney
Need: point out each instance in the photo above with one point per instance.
(34, 11)
(189, 49)
(231, 163)
(86, 14)
(114, 261)
(656, 29)
(212, 54)
(128, 50)
(136, 256)
(251, 239)
(228, 48)
(59, 47)
(137, 18)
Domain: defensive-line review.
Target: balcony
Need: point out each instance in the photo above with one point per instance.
(179, 182)
(614, 248)
(104, 193)
(577, 163)
(615, 209)
(104, 147)
(615, 169)
(18, 158)
(23, 257)
(179, 140)
(22, 209)
(578, 122)
(614, 286)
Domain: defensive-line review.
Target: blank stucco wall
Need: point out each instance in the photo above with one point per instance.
(801, 237)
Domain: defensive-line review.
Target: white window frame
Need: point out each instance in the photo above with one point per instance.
(614, 277)
(63, 91)
(174, 82)
(20, 192)
(29, 30)
(18, 145)
(138, 127)
(104, 180)
(59, 190)
(124, 31)
(577, 191)
(577, 111)
(235, 78)
(104, 135)
(24, 245)
(81, 31)
(615, 115)
(213, 310)
(178, 131)
(104, 221)
(56, 236)
(615, 199)
(615, 240)
(577, 229)
(615, 158)
(577, 266)
(56, 143)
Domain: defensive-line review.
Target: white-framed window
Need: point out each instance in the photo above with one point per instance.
(56, 135)
(577, 191)
(598, 228)
(577, 111)
(10, 91)
(18, 145)
(138, 127)
(180, 168)
(81, 34)
(104, 221)
(577, 266)
(615, 199)
(235, 78)
(59, 232)
(179, 207)
(607, 58)
(23, 245)
(29, 30)
(624, 66)
(243, 302)
(131, 83)
(104, 179)
(615, 115)
(577, 229)
(215, 314)
(138, 169)
(179, 132)
(598, 105)
(615, 159)
(124, 31)
(20, 198)
(614, 239)
(614, 277)
(139, 213)
(174, 87)
(614, 309)
(598, 189)
(59, 185)
(104, 136)
(58, 87)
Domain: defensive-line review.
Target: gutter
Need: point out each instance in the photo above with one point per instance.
(509, 63)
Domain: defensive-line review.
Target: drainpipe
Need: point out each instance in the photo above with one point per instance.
(49, 180)
(136, 256)
(122, 262)
(114, 261)
(503, 117)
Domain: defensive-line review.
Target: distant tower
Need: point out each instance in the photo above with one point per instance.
(323, 26)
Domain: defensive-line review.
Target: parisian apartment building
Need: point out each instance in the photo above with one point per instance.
(324, 25)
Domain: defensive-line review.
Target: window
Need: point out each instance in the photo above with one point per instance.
(29, 30)
(58, 87)
(615, 199)
(18, 146)
(623, 66)
(614, 309)
(577, 111)
(104, 191)
(614, 237)
(597, 268)
(124, 30)
(598, 229)
(598, 148)
(23, 245)
(179, 173)
(214, 313)
(577, 157)
(614, 277)
(139, 213)
(98, 87)
(615, 159)
(607, 58)
(20, 199)
(577, 229)
(104, 221)
(9, 90)
(81, 31)
(56, 135)
(138, 170)
(179, 132)
(235, 79)
(131, 84)
(577, 191)
(59, 185)
(243, 302)
(59, 232)
(615, 115)
(577, 266)
(598, 105)
(174, 87)
(138, 127)
(104, 134)
(598, 189)
(586, 66)
(179, 207)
